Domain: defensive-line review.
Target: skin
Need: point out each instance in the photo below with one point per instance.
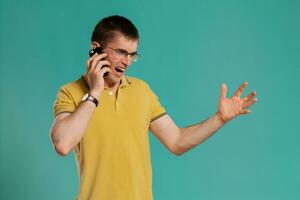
(94, 73)
(68, 128)
(180, 140)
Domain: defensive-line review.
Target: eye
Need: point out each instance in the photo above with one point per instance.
(122, 52)
(134, 54)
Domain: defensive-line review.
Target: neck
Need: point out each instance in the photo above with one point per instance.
(111, 84)
(108, 83)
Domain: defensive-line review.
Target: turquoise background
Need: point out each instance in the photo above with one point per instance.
(188, 49)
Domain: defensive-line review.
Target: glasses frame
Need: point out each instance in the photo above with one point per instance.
(123, 53)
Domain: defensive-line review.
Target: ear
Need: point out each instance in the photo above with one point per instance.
(95, 44)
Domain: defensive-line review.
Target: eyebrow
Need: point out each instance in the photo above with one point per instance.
(128, 52)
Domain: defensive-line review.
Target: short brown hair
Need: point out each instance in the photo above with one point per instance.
(108, 27)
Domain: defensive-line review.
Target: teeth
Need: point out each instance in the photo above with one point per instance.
(121, 69)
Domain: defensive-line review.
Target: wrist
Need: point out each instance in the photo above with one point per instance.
(220, 118)
(91, 98)
(96, 94)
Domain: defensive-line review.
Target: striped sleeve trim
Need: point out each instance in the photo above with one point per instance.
(158, 116)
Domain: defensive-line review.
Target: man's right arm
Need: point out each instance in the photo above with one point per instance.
(68, 128)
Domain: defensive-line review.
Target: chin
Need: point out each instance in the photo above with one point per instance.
(112, 78)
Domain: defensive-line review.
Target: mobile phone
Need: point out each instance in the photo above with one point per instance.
(98, 50)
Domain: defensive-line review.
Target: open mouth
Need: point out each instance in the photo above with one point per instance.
(120, 69)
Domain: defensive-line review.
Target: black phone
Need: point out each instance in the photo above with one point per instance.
(98, 50)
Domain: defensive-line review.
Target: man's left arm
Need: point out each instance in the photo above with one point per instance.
(179, 140)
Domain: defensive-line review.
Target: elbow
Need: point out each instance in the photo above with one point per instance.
(177, 150)
(178, 153)
(60, 149)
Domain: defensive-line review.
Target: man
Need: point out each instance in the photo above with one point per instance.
(105, 119)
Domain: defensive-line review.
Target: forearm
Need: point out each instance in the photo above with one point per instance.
(69, 131)
(191, 136)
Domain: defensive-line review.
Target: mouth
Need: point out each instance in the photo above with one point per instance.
(120, 71)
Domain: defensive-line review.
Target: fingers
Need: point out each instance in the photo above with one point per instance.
(88, 62)
(244, 112)
(249, 102)
(96, 60)
(241, 89)
(93, 61)
(100, 65)
(249, 96)
(223, 90)
(104, 70)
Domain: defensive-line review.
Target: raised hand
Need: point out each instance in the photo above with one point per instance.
(95, 72)
(230, 108)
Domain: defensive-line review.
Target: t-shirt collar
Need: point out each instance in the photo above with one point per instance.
(124, 82)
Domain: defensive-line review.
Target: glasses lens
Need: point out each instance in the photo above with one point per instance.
(123, 53)
(135, 58)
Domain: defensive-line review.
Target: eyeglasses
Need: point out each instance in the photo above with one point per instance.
(124, 54)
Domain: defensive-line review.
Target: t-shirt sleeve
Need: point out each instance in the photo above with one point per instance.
(157, 110)
(63, 102)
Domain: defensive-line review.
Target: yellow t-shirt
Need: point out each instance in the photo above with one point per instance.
(113, 156)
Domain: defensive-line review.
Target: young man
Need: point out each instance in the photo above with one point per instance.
(105, 116)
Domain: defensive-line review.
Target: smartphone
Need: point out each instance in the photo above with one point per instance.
(98, 50)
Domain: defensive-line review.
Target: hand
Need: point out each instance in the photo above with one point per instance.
(231, 108)
(95, 73)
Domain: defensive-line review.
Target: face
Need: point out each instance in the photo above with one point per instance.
(119, 62)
